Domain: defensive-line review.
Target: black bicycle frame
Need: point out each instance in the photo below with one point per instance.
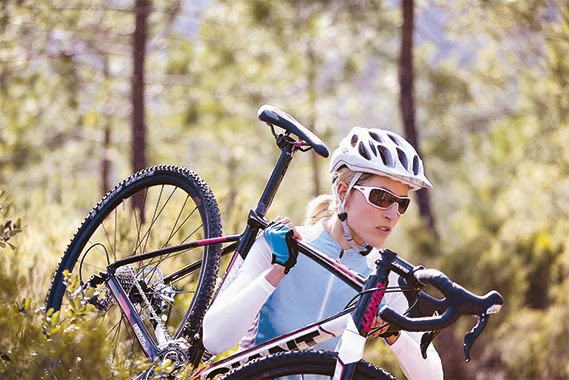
(371, 290)
(288, 148)
(242, 244)
(366, 307)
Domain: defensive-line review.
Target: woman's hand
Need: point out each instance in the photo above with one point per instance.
(287, 222)
(390, 339)
(284, 258)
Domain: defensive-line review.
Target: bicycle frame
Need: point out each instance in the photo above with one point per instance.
(242, 244)
(361, 315)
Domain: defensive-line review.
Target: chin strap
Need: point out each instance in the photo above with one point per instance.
(343, 216)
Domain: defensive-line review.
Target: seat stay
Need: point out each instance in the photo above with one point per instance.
(274, 116)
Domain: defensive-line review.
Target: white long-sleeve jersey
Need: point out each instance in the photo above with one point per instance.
(250, 310)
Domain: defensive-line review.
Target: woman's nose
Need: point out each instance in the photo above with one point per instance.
(391, 212)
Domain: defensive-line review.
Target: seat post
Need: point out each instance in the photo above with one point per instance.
(287, 152)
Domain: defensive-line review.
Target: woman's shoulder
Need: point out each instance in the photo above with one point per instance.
(310, 232)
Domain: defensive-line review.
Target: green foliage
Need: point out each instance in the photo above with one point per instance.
(503, 151)
(36, 344)
(533, 342)
(42, 344)
(45, 345)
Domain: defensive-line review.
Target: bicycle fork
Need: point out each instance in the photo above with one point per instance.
(351, 346)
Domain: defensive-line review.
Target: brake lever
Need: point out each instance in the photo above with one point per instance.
(473, 334)
(426, 339)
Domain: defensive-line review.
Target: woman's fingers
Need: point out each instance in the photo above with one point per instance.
(287, 222)
(379, 322)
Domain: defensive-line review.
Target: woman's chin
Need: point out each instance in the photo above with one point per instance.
(376, 241)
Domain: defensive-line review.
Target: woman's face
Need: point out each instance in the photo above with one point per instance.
(370, 224)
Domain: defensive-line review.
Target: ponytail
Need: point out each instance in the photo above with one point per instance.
(323, 206)
(326, 205)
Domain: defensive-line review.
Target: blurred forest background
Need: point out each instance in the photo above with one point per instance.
(92, 90)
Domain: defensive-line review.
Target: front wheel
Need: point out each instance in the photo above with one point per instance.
(157, 207)
(302, 365)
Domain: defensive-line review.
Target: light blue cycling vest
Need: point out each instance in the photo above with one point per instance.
(309, 293)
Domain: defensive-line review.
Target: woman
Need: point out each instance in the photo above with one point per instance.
(373, 171)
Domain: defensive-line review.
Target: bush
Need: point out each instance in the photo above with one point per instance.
(35, 344)
(42, 344)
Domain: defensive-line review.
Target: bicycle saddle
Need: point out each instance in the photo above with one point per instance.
(274, 116)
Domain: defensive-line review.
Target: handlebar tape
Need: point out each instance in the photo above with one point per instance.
(459, 300)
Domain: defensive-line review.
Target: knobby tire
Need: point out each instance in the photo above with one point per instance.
(299, 363)
(178, 206)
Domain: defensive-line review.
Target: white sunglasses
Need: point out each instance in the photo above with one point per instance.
(384, 199)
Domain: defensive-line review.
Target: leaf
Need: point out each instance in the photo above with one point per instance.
(26, 305)
(14, 232)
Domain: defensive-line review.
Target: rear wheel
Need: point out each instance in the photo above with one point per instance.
(302, 365)
(157, 207)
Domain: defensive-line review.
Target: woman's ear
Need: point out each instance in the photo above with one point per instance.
(342, 188)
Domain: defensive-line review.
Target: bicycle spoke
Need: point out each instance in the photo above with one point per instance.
(153, 220)
(192, 234)
(138, 226)
(108, 240)
(97, 267)
(174, 230)
(114, 248)
(172, 204)
(184, 222)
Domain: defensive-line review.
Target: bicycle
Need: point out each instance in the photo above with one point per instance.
(143, 271)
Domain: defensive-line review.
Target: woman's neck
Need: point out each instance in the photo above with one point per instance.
(334, 228)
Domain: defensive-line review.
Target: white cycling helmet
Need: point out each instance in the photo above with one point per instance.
(380, 152)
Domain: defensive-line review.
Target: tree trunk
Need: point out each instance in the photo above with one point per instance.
(406, 101)
(106, 162)
(141, 10)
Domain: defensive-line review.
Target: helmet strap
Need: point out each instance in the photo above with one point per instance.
(343, 216)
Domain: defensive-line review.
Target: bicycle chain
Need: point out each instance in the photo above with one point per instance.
(159, 324)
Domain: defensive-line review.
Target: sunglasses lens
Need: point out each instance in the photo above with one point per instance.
(384, 199)
(403, 204)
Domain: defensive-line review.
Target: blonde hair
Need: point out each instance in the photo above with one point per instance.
(326, 205)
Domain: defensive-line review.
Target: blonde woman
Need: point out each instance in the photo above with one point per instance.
(274, 292)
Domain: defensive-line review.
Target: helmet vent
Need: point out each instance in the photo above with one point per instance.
(385, 156)
(373, 149)
(363, 151)
(403, 158)
(394, 139)
(416, 165)
(376, 136)
(354, 140)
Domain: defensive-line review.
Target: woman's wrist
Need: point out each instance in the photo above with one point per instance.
(275, 274)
